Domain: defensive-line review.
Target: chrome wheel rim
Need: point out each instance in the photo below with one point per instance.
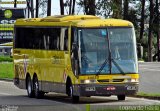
(29, 87)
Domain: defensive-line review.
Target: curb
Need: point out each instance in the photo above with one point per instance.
(7, 80)
(147, 97)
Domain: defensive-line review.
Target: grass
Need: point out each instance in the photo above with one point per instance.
(132, 108)
(6, 59)
(6, 70)
(148, 94)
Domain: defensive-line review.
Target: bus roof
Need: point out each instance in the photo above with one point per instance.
(73, 20)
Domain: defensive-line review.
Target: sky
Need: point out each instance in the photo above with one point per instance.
(55, 6)
(55, 10)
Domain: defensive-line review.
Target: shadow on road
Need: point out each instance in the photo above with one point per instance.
(83, 100)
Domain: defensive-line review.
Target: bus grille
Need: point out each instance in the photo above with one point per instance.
(111, 80)
(117, 80)
(104, 80)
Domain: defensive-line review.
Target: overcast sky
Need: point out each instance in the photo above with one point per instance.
(55, 10)
(55, 6)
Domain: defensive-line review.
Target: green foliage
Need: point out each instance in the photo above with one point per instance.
(104, 8)
(6, 59)
(148, 94)
(6, 70)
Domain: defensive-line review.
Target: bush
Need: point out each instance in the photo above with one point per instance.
(6, 59)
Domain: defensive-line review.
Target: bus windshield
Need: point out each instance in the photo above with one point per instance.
(107, 50)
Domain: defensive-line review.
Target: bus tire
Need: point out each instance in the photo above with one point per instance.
(75, 99)
(38, 94)
(29, 87)
(121, 97)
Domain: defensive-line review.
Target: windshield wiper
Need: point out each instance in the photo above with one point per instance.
(102, 66)
(118, 67)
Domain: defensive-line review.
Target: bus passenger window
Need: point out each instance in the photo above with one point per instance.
(57, 44)
(53, 38)
(66, 40)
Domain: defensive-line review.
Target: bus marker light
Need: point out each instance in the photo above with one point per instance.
(110, 88)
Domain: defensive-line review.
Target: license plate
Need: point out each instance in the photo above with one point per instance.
(90, 89)
(131, 87)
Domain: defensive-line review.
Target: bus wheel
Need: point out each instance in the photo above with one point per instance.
(121, 97)
(38, 94)
(75, 99)
(29, 88)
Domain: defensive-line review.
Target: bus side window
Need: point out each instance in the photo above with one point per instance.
(64, 39)
(54, 36)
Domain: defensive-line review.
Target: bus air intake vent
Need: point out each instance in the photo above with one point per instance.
(117, 80)
(103, 80)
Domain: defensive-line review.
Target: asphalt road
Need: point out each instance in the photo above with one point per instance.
(149, 77)
(16, 99)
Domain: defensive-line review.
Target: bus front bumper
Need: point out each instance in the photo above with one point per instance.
(105, 90)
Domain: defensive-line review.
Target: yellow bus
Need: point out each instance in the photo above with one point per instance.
(79, 55)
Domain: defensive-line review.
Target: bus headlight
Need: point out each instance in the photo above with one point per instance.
(88, 81)
(132, 80)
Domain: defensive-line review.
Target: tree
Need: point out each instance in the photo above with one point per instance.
(43, 8)
(156, 28)
(62, 7)
(142, 20)
(15, 3)
(158, 31)
(37, 8)
(89, 6)
(104, 8)
(133, 17)
(125, 11)
(49, 8)
(150, 31)
(117, 8)
(73, 7)
(30, 8)
(70, 6)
